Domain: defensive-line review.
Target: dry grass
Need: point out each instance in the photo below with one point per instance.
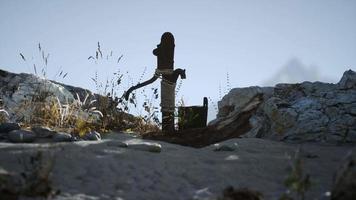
(102, 112)
(3, 113)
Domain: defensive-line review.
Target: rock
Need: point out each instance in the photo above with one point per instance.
(344, 187)
(260, 127)
(62, 137)
(280, 115)
(23, 94)
(341, 128)
(7, 127)
(21, 136)
(348, 80)
(203, 194)
(318, 89)
(233, 122)
(289, 92)
(302, 112)
(20, 87)
(224, 147)
(236, 100)
(310, 125)
(144, 146)
(43, 132)
(92, 135)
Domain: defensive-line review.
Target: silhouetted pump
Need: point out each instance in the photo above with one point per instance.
(165, 52)
(165, 62)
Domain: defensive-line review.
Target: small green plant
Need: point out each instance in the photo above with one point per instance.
(297, 181)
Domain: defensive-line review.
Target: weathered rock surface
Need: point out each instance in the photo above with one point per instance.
(319, 112)
(107, 169)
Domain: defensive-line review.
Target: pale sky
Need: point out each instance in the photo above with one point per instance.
(249, 40)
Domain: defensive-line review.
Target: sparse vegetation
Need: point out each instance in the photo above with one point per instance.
(39, 64)
(114, 107)
(297, 182)
(104, 111)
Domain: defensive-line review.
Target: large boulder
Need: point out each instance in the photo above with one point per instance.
(19, 89)
(348, 80)
(308, 111)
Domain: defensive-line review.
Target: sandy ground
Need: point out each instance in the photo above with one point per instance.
(105, 170)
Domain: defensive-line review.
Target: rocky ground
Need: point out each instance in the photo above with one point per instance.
(124, 167)
(259, 134)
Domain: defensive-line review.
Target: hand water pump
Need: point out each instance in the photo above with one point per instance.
(165, 71)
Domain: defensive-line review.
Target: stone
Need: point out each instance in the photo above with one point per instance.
(344, 186)
(306, 103)
(348, 80)
(237, 99)
(62, 137)
(7, 127)
(289, 92)
(281, 116)
(309, 126)
(309, 111)
(224, 147)
(350, 109)
(21, 87)
(203, 194)
(92, 135)
(260, 127)
(21, 136)
(230, 121)
(145, 146)
(318, 89)
(43, 132)
(341, 128)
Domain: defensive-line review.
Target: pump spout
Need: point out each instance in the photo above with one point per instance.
(131, 89)
(171, 78)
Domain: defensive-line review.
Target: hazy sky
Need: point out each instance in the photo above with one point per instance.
(250, 40)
